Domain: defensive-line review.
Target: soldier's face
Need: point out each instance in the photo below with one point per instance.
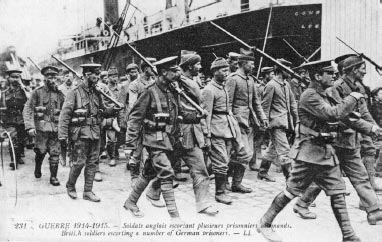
(93, 77)
(113, 79)
(248, 66)
(194, 69)
(68, 79)
(360, 72)
(172, 74)
(50, 80)
(105, 79)
(221, 74)
(133, 74)
(14, 79)
(327, 79)
(233, 65)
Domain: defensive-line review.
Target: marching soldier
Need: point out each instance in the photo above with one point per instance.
(41, 114)
(79, 124)
(280, 108)
(260, 135)
(132, 71)
(376, 112)
(348, 141)
(246, 107)
(313, 156)
(12, 102)
(157, 109)
(111, 124)
(220, 127)
(136, 88)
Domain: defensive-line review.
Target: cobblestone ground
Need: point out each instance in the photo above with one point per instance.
(40, 207)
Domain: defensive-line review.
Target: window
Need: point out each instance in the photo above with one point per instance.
(244, 5)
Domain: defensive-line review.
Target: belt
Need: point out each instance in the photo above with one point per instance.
(220, 112)
(92, 121)
(50, 119)
(308, 131)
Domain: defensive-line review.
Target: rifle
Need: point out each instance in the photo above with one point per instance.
(295, 51)
(34, 63)
(67, 67)
(378, 68)
(118, 104)
(262, 53)
(177, 89)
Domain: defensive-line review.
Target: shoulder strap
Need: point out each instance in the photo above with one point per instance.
(157, 100)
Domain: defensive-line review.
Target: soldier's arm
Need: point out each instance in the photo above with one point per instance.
(365, 111)
(314, 104)
(136, 116)
(133, 95)
(266, 103)
(207, 104)
(256, 103)
(123, 98)
(293, 106)
(28, 111)
(231, 88)
(66, 115)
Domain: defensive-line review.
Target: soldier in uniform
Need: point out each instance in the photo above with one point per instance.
(136, 88)
(220, 127)
(79, 124)
(246, 107)
(12, 102)
(260, 135)
(41, 114)
(68, 82)
(280, 108)
(111, 124)
(313, 156)
(158, 110)
(348, 141)
(376, 112)
(104, 78)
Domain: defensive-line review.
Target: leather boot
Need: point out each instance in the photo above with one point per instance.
(53, 174)
(38, 163)
(169, 198)
(134, 172)
(341, 213)
(237, 178)
(374, 216)
(90, 196)
(131, 202)
(304, 212)
(74, 172)
(263, 171)
(220, 194)
(229, 174)
(286, 168)
(264, 226)
(369, 162)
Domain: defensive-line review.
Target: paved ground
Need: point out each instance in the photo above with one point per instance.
(46, 213)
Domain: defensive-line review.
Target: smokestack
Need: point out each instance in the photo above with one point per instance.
(111, 11)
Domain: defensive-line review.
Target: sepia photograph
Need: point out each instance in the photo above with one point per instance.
(191, 120)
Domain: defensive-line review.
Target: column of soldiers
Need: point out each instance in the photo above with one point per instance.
(317, 128)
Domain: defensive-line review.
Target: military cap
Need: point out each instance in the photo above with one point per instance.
(219, 63)
(49, 70)
(343, 57)
(112, 71)
(352, 61)
(13, 70)
(246, 55)
(103, 73)
(90, 67)
(320, 65)
(189, 58)
(167, 63)
(233, 55)
(131, 67)
(266, 69)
